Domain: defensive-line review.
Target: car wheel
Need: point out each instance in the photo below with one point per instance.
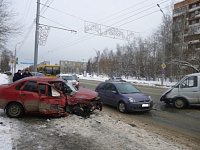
(14, 110)
(179, 103)
(122, 107)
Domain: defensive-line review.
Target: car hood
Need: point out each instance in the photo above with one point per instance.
(85, 94)
(137, 96)
(4, 85)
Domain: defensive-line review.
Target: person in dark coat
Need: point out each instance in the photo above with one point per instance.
(17, 76)
(26, 74)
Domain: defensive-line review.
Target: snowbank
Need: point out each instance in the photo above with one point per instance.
(108, 133)
(5, 138)
(166, 84)
(3, 79)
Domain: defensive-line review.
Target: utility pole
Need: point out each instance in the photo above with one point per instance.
(36, 36)
(163, 60)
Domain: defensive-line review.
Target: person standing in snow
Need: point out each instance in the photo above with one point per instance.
(17, 76)
(26, 74)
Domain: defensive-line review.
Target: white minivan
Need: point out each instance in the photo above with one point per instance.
(185, 92)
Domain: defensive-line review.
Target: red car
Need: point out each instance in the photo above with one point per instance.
(44, 95)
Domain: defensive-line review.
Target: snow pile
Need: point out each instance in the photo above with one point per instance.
(3, 79)
(5, 138)
(108, 133)
(132, 80)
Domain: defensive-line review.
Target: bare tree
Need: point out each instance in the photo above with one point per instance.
(8, 27)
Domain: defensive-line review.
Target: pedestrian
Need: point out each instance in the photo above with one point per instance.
(26, 74)
(17, 76)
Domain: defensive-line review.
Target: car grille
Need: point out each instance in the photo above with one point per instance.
(145, 101)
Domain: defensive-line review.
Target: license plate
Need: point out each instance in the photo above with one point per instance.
(145, 105)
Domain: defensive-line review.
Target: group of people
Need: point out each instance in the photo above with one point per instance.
(19, 75)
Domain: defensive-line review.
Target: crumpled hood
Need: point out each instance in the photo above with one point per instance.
(85, 94)
(137, 96)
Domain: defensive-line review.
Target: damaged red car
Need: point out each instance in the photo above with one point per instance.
(44, 95)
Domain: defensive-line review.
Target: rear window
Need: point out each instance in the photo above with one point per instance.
(68, 77)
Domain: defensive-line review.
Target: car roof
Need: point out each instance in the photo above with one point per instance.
(42, 79)
(197, 74)
(65, 74)
(114, 82)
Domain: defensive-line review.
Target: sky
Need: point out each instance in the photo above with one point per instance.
(64, 16)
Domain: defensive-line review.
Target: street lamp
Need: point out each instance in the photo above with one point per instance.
(15, 56)
(163, 60)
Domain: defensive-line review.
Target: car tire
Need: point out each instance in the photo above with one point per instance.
(122, 107)
(179, 103)
(14, 110)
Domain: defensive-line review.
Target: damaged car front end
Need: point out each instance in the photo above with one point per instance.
(84, 101)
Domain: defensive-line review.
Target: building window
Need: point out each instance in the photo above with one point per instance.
(194, 5)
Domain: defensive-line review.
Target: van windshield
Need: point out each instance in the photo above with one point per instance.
(177, 84)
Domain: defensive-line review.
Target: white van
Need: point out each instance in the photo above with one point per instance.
(185, 92)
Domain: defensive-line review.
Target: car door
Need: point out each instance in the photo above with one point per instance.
(51, 100)
(29, 96)
(102, 92)
(111, 95)
(190, 89)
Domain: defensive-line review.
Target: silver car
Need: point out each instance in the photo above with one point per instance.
(69, 78)
(185, 92)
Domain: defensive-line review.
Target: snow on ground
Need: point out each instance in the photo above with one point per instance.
(103, 129)
(5, 130)
(108, 133)
(166, 84)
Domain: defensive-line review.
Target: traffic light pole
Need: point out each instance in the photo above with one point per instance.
(36, 36)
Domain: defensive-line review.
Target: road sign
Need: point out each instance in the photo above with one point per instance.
(12, 61)
(163, 65)
(163, 71)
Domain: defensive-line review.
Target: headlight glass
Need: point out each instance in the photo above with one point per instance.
(130, 99)
(150, 98)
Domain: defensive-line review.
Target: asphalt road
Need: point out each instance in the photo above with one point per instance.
(183, 122)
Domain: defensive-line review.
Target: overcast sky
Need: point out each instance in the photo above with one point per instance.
(132, 15)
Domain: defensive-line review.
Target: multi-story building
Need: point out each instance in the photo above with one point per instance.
(72, 66)
(186, 27)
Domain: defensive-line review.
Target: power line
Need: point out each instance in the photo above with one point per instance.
(62, 12)
(99, 20)
(54, 21)
(75, 42)
(142, 16)
(137, 10)
(58, 28)
(30, 28)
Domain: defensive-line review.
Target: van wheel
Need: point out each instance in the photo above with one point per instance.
(180, 103)
(14, 110)
(122, 107)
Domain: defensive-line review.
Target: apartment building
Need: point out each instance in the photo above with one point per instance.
(186, 27)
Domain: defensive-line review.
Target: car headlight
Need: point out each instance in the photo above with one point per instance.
(132, 100)
(150, 98)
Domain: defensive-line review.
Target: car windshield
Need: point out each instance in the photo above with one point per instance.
(126, 88)
(75, 76)
(68, 77)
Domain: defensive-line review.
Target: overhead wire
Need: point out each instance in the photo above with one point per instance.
(77, 41)
(99, 20)
(31, 27)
